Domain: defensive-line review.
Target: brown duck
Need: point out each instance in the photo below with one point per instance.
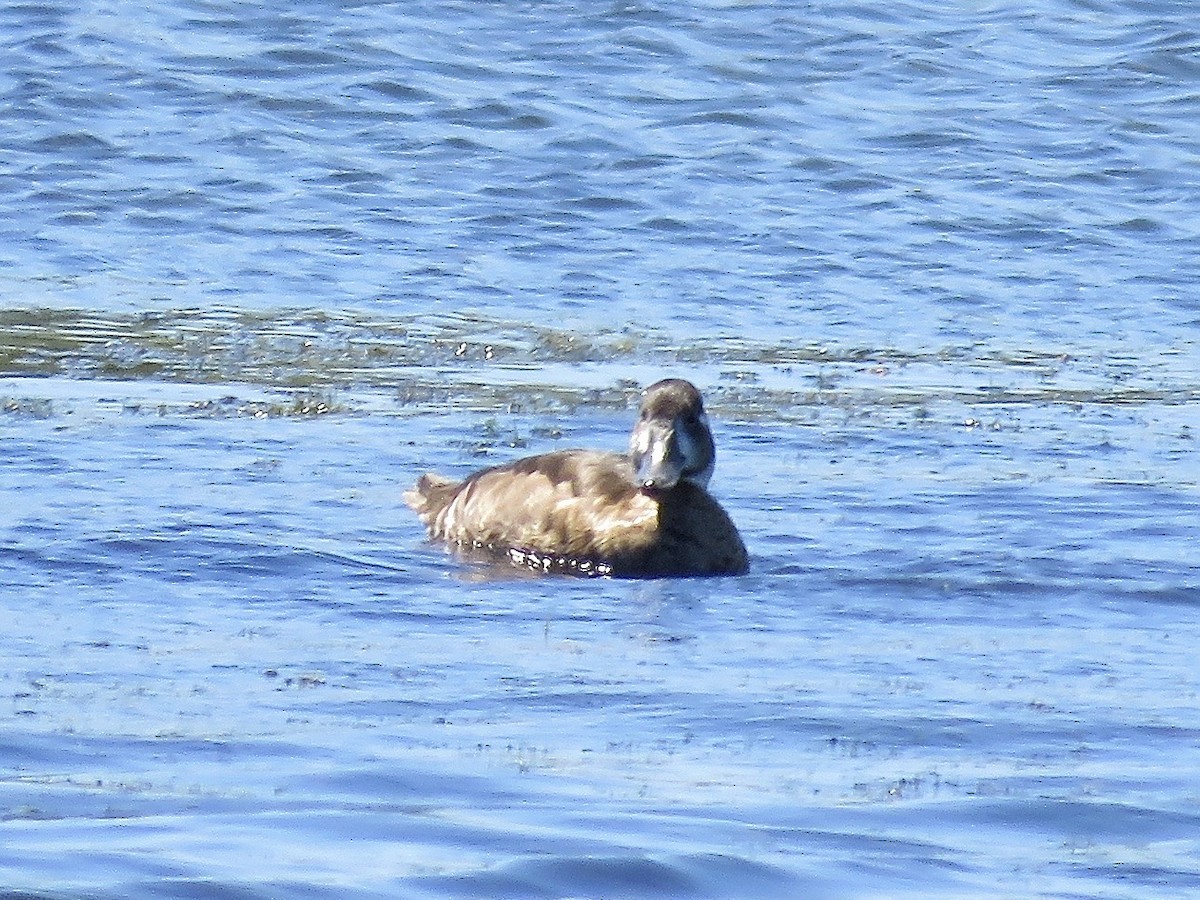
(643, 514)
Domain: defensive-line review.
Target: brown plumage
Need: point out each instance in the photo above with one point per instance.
(647, 513)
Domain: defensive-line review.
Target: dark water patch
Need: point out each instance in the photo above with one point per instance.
(612, 877)
(88, 145)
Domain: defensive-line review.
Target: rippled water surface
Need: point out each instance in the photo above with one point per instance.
(936, 272)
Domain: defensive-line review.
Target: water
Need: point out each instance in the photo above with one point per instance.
(936, 273)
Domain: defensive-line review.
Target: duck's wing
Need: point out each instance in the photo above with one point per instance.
(570, 503)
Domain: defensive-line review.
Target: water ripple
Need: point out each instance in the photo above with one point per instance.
(934, 267)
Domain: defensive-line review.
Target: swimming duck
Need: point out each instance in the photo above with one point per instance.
(644, 514)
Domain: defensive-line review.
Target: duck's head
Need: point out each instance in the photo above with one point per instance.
(671, 441)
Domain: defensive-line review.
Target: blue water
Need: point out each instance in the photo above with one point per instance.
(936, 271)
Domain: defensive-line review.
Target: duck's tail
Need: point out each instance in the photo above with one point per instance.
(429, 495)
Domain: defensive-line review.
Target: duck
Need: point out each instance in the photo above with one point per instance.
(646, 513)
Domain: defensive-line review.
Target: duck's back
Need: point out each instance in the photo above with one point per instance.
(579, 511)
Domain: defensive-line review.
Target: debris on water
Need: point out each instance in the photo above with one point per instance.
(468, 361)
